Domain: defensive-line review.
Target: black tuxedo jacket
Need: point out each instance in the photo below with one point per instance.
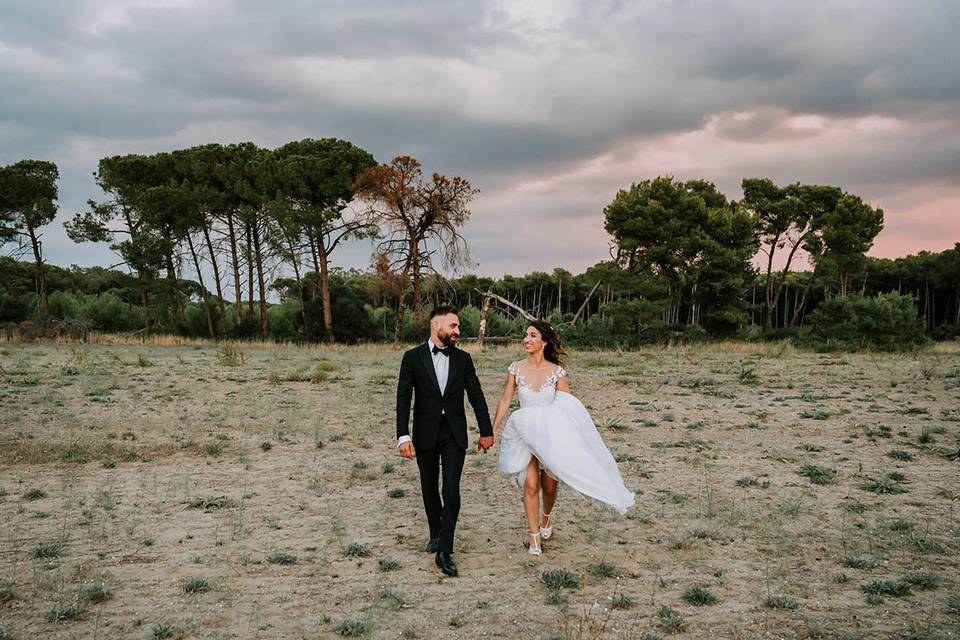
(418, 378)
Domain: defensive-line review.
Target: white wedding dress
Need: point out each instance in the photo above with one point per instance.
(555, 427)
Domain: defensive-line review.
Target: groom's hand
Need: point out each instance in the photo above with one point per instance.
(406, 450)
(485, 443)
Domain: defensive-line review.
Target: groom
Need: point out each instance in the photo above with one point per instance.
(440, 373)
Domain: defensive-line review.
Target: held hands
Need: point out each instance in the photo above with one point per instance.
(485, 443)
(406, 450)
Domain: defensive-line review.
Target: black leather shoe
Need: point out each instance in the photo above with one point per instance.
(433, 545)
(445, 562)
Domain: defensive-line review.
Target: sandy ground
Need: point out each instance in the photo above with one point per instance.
(192, 492)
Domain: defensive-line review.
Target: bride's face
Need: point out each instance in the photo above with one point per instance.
(533, 341)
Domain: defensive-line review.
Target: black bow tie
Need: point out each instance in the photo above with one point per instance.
(437, 350)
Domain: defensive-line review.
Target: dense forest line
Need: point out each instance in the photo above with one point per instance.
(263, 220)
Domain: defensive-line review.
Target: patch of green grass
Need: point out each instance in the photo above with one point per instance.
(780, 601)
(556, 598)
(94, 593)
(47, 550)
(854, 562)
(281, 558)
(209, 503)
(901, 525)
(669, 619)
(922, 579)
(886, 588)
(396, 493)
(230, 357)
(815, 414)
(923, 543)
(356, 550)
(884, 485)
(65, 611)
(747, 481)
(194, 584)
(34, 494)
(391, 598)
(388, 564)
(854, 506)
(818, 474)
(161, 631)
(613, 424)
(699, 596)
(900, 454)
(559, 579)
(352, 628)
(602, 569)
(953, 604)
(622, 601)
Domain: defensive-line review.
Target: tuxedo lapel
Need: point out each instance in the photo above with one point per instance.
(456, 365)
(427, 358)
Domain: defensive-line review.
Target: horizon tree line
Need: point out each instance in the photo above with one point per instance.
(680, 250)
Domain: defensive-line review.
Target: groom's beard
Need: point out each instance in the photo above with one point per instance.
(448, 339)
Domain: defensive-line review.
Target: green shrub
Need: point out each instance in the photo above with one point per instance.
(887, 322)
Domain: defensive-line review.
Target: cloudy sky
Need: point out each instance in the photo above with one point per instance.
(547, 107)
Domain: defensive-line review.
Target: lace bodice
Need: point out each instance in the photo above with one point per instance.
(540, 395)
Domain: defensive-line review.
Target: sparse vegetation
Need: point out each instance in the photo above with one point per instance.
(187, 491)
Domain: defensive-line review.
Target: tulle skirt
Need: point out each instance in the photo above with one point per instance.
(564, 439)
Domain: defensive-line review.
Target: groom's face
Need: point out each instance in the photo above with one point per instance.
(447, 328)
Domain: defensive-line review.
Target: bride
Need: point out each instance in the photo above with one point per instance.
(551, 437)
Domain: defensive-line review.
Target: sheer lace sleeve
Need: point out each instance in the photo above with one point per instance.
(559, 373)
(513, 369)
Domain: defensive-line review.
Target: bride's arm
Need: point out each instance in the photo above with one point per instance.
(504, 405)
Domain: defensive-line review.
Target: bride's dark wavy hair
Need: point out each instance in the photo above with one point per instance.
(552, 351)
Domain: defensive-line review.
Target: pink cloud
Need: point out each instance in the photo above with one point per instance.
(858, 154)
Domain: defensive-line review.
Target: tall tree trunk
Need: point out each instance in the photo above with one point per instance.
(398, 323)
(768, 297)
(798, 312)
(216, 279)
(235, 261)
(41, 282)
(325, 288)
(263, 294)
(203, 288)
(175, 291)
(400, 300)
(296, 274)
(481, 334)
(415, 257)
(143, 301)
(783, 276)
(250, 267)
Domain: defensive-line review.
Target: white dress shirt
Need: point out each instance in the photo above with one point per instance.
(441, 365)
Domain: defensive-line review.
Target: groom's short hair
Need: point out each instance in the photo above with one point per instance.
(443, 310)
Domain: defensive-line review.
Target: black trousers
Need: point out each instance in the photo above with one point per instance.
(448, 456)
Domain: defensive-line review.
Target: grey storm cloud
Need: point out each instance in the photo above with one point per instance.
(501, 93)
